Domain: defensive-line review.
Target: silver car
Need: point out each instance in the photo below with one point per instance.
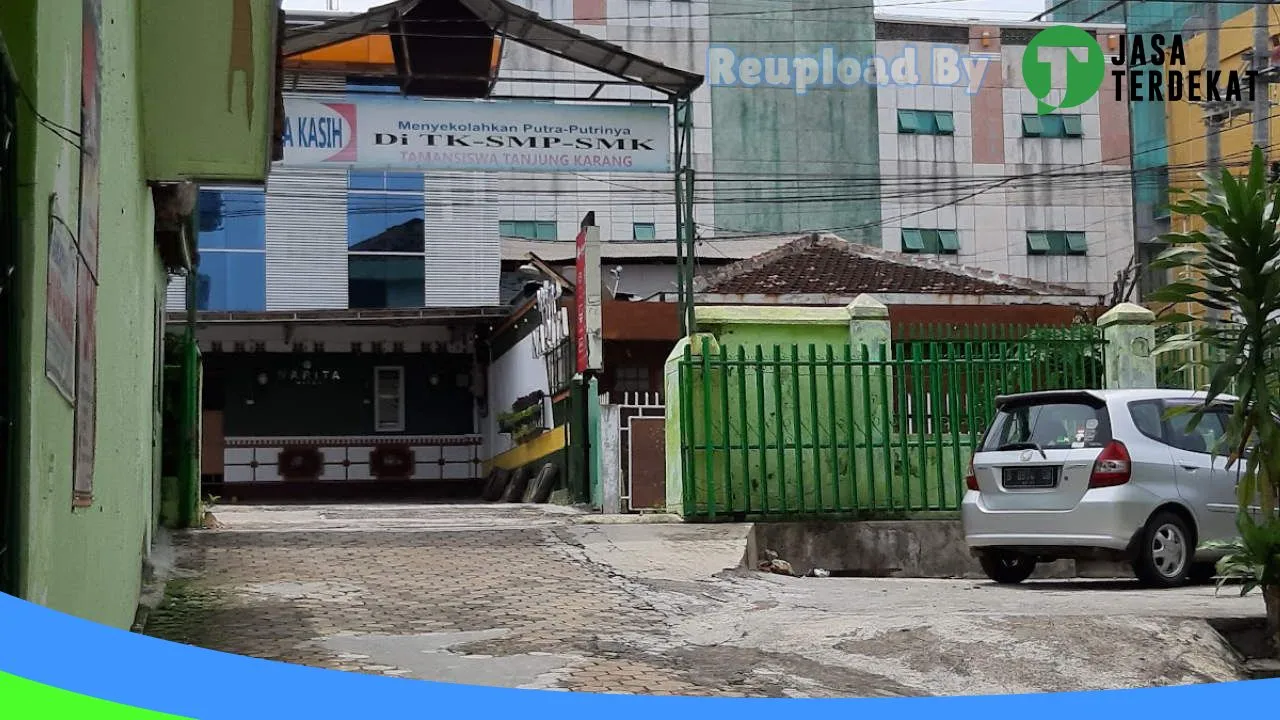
(1103, 475)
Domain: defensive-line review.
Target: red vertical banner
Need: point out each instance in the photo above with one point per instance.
(580, 299)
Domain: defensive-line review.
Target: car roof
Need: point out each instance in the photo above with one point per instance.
(1109, 395)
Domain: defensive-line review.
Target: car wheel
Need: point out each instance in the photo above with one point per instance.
(1165, 555)
(1007, 568)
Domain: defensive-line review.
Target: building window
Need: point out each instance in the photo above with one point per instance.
(1056, 242)
(927, 241)
(388, 405)
(644, 231)
(631, 379)
(1052, 126)
(926, 122)
(528, 229)
(385, 240)
(386, 281)
(231, 273)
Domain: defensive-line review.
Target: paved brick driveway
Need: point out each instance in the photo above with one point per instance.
(537, 597)
(507, 606)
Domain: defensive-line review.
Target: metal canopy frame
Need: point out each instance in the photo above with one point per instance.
(517, 24)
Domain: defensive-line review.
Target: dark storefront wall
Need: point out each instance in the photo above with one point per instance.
(332, 394)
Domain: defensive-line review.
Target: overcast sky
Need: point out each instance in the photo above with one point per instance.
(1008, 10)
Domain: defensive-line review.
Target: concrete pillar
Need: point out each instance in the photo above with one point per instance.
(1130, 334)
(675, 395)
(611, 459)
(872, 384)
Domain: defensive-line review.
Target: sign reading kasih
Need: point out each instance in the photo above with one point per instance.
(483, 135)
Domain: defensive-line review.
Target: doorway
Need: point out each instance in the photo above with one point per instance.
(9, 249)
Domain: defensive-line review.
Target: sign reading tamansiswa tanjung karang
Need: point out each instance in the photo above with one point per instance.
(494, 135)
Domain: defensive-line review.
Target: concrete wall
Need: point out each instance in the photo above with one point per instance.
(890, 548)
(514, 374)
(85, 561)
(921, 172)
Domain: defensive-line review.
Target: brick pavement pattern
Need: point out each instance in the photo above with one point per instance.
(278, 595)
(546, 597)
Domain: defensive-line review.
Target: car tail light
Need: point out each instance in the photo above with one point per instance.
(971, 480)
(1112, 467)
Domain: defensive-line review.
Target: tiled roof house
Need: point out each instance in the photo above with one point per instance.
(828, 270)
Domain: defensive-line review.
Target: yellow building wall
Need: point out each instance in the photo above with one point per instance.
(1186, 128)
(1186, 132)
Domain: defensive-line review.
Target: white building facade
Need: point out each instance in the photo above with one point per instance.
(970, 170)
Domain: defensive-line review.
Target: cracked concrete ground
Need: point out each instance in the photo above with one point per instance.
(546, 597)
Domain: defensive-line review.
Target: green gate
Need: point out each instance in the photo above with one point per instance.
(802, 431)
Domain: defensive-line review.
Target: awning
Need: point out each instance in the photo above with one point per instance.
(461, 33)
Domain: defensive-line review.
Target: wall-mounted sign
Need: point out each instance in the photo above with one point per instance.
(553, 330)
(396, 132)
(305, 374)
(587, 296)
(60, 306)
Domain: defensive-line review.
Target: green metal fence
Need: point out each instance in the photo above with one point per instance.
(786, 431)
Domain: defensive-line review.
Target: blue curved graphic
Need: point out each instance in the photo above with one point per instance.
(78, 656)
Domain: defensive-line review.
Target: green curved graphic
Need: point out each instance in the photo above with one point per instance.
(23, 699)
(1083, 77)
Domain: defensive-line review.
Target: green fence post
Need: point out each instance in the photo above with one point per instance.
(679, 388)
(1130, 336)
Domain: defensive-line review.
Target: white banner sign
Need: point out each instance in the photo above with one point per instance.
(481, 135)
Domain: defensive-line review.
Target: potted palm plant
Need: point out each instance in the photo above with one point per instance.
(1234, 278)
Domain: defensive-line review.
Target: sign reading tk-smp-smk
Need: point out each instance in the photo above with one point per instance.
(482, 135)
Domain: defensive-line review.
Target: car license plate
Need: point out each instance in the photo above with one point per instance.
(1031, 478)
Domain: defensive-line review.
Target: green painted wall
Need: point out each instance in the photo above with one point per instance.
(208, 78)
(762, 133)
(85, 561)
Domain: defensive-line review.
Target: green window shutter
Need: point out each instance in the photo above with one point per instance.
(945, 123)
(912, 240)
(929, 239)
(1071, 126)
(1038, 243)
(908, 122)
(1053, 127)
(949, 240)
(644, 231)
(507, 228)
(546, 231)
(526, 229)
(1076, 243)
(1032, 126)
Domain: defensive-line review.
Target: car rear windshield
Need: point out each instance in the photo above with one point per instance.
(1052, 424)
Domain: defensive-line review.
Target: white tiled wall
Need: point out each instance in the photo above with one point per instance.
(921, 172)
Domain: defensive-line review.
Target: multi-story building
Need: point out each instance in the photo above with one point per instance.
(970, 170)
(1153, 148)
(349, 310)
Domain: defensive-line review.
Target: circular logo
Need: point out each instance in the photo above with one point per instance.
(1083, 76)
